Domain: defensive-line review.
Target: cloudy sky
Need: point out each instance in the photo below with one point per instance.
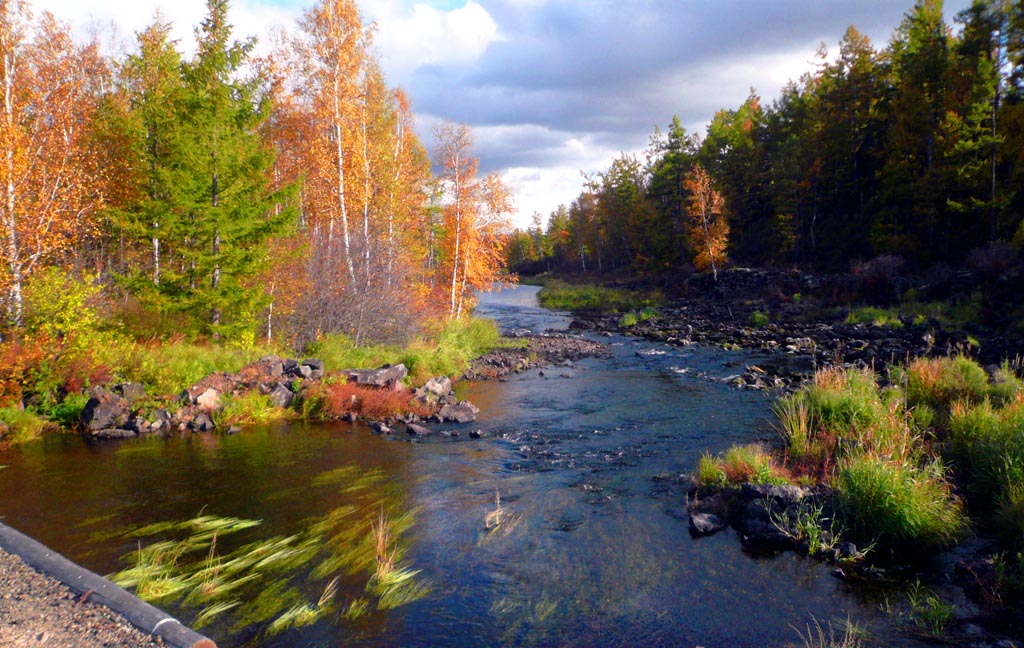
(556, 87)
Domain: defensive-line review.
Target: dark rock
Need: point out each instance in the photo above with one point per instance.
(114, 433)
(202, 423)
(417, 430)
(386, 376)
(234, 429)
(105, 410)
(461, 412)
(476, 434)
(705, 523)
(782, 494)
(316, 367)
(382, 428)
(131, 391)
(304, 371)
(290, 367)
(847, 551)
(280, 396)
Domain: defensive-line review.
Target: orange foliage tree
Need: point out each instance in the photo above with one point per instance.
(349, 138)
(704, 221)
(47, 171)
(475, 215)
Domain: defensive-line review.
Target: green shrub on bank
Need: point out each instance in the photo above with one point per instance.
(168, 367)
(559, 296)
(988, 446)
(758, 319)
(940, 382)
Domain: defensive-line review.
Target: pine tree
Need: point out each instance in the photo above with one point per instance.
(220, 210)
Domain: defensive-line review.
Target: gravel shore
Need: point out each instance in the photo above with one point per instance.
(37, 610)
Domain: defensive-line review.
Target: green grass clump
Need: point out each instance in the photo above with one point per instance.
(167, 367)
(250, 408)
(988, 446)
(899, 504)
(939, 382)
(447, 351)
(560, 296)
(23, 425)
(633, 318)
(758, 319)
(741, 464)
(878, 317)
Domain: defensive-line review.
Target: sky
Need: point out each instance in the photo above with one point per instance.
(556, 88)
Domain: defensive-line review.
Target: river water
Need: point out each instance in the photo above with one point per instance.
(592, 547)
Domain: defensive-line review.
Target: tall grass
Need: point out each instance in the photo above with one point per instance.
(900, 504)
(560, 296)
(447, 349)
(741, 464)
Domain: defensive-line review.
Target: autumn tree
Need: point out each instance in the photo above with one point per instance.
(706, 227)
(475, 214)
(49, 198)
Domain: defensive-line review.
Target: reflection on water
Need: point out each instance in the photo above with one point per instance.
(587, 548)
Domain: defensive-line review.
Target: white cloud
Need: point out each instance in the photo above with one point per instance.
(410, 37)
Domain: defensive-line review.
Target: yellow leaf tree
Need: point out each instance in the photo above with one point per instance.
(705, 225)
(475, 214)
(46, 169)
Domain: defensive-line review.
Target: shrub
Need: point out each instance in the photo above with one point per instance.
(758, 319)
(560, 296)
(988, 445)
(899, 504)
(877, 317)
(628, 319)
(328, 400)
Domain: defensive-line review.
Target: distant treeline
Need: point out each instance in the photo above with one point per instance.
(914, 151)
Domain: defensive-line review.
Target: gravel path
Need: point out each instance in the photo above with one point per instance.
(37, 610)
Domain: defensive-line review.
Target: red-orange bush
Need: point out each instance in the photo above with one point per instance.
(334, 400)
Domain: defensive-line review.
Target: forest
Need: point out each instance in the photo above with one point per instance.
(912, 154)
(231, 196)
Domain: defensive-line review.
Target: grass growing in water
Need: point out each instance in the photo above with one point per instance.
(210, 572)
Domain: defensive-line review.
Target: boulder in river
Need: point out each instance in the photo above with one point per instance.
(461, 412)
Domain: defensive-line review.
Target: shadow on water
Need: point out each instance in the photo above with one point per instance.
(549, 531)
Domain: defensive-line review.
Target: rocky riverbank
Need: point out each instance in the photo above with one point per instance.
(538, 350)
(125, 410)
(766, 311)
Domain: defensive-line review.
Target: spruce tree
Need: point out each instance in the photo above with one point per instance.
(220, 208)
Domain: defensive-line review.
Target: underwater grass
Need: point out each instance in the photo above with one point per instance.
(265, 582)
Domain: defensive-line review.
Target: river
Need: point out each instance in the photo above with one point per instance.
(592, 547)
